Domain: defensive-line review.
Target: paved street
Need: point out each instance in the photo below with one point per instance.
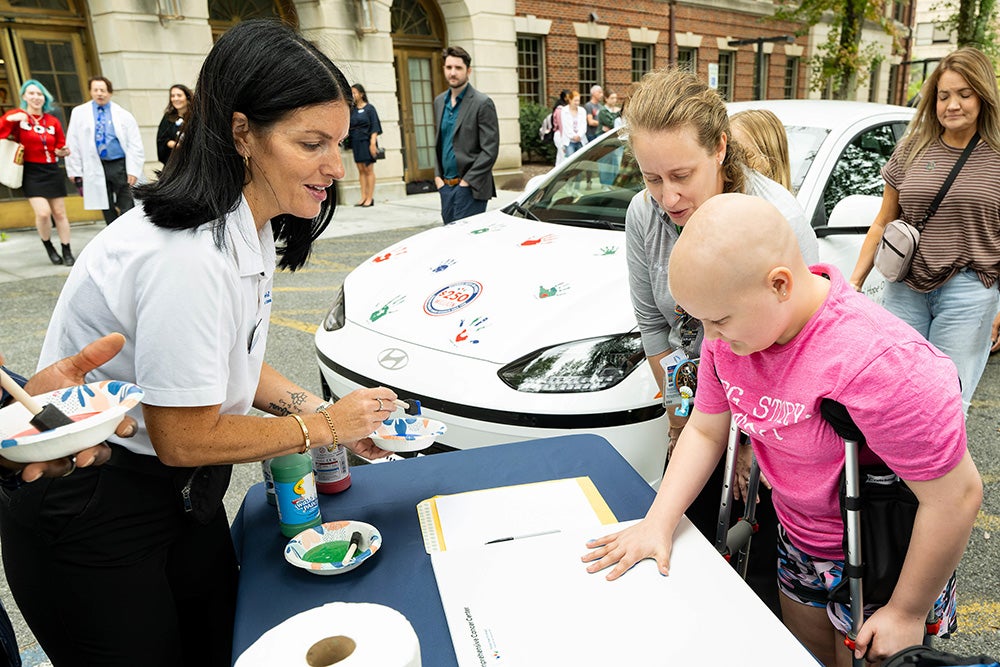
(302, 299)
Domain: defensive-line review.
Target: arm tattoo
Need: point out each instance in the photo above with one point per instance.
(283, 408)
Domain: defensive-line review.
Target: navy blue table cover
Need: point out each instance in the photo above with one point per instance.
(386, 495)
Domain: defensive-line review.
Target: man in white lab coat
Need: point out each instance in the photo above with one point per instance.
(106, 154)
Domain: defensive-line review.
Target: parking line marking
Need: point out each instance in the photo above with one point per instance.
(293, 324)
(987, 522)
(978, 617)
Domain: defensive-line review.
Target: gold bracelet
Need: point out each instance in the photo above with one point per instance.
(305, 433)
(329, 422)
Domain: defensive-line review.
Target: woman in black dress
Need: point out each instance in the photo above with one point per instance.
(43, 182)
(363, 137)
(169, 132)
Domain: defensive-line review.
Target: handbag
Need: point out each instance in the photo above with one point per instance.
(11, 163)
(898, 245)
(379, 152)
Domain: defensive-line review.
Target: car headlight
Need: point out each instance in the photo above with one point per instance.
(335, 318)
(585, 365)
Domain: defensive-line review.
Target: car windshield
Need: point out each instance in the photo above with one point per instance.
(594, 190)
(803, 144)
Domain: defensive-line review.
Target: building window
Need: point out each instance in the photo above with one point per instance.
(941, 35)
(726, 75)
(589, 66)
(530, 70)
(791, 78)
(687, 59)
(827, 92)
(899, 10)
(642, 60)
(890, 97)
(873, 81)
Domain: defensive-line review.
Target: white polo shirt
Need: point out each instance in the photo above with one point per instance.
(195, 318)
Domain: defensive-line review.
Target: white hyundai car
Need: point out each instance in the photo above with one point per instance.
(517, 324)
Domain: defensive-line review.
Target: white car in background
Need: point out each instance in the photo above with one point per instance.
(517, 324)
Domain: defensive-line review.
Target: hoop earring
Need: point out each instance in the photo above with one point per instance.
(246, 162)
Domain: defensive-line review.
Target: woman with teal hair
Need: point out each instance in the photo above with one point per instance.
(43, 183)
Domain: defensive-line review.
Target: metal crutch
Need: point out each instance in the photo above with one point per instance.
(736, 539)
(852, 559)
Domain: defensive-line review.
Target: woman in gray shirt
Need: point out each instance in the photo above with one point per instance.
(678, 131)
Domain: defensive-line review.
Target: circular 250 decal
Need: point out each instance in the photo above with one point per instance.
(452, 297)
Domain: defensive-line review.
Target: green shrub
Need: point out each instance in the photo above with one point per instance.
(531, 117)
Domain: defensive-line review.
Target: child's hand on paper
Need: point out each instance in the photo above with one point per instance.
(624, 549)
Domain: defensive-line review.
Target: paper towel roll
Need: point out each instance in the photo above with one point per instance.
(383, 636)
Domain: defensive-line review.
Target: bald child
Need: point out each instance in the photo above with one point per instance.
(781, 336)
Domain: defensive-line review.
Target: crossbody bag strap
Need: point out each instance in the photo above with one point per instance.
(932, 209)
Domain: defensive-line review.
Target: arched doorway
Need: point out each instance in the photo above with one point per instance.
(43, 40)
(418, 35)
(224, 14)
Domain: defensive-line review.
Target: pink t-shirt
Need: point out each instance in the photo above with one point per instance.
(900, 390)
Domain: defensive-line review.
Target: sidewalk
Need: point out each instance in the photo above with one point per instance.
(22, 255)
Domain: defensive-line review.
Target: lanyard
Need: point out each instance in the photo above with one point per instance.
(39, 128)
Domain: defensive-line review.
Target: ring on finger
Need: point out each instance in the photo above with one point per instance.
(380, 408)
(72, 468)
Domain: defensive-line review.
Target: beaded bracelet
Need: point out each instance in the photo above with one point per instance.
(329, 422)
(305, 433)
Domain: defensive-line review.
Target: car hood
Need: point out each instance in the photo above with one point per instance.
(494, 287)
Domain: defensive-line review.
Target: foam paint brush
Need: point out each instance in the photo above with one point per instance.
(410, 406)
(44, 417)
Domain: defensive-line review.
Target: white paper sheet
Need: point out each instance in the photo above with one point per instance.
(531, 602)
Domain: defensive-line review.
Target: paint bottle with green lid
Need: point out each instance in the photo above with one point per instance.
(295, 491)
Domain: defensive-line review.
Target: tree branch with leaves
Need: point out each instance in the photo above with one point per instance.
(841, 57)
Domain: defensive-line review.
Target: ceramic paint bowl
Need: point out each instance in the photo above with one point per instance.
(407, 434)
(96, 409)
(331, 539)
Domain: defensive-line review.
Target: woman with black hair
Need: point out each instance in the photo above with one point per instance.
(132, 562)
(363, 138)
(172, 125)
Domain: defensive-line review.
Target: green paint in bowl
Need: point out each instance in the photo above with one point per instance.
(328, 552)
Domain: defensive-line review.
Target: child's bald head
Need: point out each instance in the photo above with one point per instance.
(738, 260)
(734, 238)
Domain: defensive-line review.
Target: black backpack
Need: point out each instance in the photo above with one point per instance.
(922, 656)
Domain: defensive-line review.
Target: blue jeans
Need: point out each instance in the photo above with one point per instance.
(573, 147)
(457, 203)
(956, 318)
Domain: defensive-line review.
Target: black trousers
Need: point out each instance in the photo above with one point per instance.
(108, 571)
(119, 192)
(762, 566)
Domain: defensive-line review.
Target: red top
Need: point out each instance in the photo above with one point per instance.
(40, 136)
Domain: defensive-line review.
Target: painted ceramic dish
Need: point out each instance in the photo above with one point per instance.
(321, 549)
(95, 408)
(407, 434)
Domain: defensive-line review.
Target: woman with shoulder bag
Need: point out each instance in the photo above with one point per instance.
(950, 293)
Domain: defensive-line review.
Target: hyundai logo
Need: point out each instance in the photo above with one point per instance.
(393, 358)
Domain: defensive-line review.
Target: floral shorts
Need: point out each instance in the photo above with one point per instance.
(808, 580)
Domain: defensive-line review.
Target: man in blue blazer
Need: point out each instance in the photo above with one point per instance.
(466, 143)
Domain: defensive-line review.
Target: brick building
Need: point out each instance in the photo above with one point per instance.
(577, 43)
